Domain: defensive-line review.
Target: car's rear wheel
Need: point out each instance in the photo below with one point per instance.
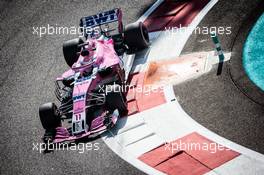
(71, 49)
(49, 116)
(115, 99)
(136, 37)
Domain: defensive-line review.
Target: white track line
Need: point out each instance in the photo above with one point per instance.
(149, 11)
(170, 43)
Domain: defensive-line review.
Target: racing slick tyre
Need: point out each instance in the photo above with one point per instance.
(136, 37)
(71, 49)
(49, 116)
(115, 99)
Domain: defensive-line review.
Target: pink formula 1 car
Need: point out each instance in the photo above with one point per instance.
(91, 92)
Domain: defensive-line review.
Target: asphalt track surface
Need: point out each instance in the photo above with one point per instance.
(214, 101)
(28, 66)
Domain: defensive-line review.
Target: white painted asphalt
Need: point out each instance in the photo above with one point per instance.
(144, 131)
(170, 43)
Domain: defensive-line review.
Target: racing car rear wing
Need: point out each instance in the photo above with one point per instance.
(102, 18)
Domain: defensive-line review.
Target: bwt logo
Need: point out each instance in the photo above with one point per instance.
(101, 18)
(78, 97)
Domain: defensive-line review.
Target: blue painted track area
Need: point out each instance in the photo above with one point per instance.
(253, 53)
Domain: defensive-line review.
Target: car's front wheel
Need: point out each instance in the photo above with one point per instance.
(49, 116)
